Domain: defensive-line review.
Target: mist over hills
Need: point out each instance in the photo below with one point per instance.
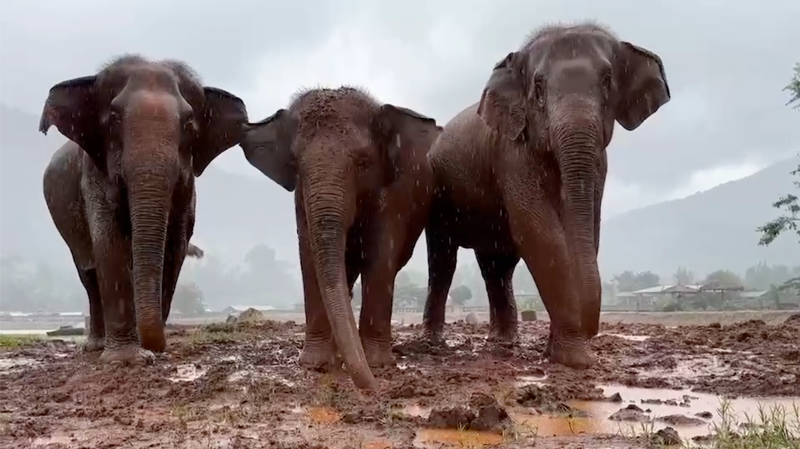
(704, 232)
(707, 231)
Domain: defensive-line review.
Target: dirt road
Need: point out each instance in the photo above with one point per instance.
(239, 386)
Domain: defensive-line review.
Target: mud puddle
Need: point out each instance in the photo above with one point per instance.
(636, 338)
(690, 413)
(16, 363)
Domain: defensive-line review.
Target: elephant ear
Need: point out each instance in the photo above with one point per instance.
(399, 132)
(268, 146)
(221, 125)
(71, 108)
(642, 85)
(502, 105)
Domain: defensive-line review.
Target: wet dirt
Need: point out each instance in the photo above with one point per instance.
(240, 386)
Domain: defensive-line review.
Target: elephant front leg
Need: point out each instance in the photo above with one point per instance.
(113, 260)
(541, 241)
(442, 260)
(375, 323)
(497, 271)
(319, 348)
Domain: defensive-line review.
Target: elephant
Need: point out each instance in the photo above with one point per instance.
(520, 174)
(121, 190)
(362, 187)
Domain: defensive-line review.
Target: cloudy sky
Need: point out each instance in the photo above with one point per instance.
(726, 62)
(726, 65)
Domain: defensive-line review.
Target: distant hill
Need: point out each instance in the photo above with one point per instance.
(706, 231)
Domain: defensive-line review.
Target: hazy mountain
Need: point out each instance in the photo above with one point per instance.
(706, 231)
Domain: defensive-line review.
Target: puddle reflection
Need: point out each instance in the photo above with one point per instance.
(430, 438)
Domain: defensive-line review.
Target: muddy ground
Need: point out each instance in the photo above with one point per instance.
(239, 386)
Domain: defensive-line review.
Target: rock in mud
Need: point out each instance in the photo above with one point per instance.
(451, 418)
(484, 413)
(534, 396)
(490, 417)
(250, 315)
(528, 315)
(704, 415)
(472, 318)
(667, 437)
(616, 397)
(681, 420)
(631, 413)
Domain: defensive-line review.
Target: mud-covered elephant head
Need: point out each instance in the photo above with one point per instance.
(561, 93)
(148, 127)
(337, 147)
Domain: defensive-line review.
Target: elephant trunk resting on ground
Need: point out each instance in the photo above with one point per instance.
(121, 191)
(362, 188)
(520, 174)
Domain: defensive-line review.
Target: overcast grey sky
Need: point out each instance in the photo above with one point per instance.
(726, 63)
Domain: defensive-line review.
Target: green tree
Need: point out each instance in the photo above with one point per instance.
(788, 203)
(461, 294)
(188, 299)
(628, 281)
(761, 276)
(724, 279)
(683, 276)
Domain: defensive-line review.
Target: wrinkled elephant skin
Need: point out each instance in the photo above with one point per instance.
(521, 175)
(362, 187)
(121, 191)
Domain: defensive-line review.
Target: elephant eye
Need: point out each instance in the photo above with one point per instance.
(189, 123)
(538, 92)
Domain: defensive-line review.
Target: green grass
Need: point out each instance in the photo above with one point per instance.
(775, 427)
(16, 341)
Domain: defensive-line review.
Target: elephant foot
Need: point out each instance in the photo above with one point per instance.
(503, 337)
(378, 356)
(93, 344)
(434, 338)
(572, 355)
(127, 355)
(319, 358)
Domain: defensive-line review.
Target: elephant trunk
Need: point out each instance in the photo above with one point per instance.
(576, 145)
(325, 200)
(150, 164)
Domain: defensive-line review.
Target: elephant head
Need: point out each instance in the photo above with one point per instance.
(338, 147)
(560, 94)
(148, 127)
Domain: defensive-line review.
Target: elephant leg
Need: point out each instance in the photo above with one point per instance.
(498, 271)
(541, 240)
(377, 284)
(319, 347)
(97, 331)
(112, 253)
(442, 259)
(175, 255)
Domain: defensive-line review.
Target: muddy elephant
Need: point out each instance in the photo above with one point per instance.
(121, 191)
(520, 174)
(362, 187)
